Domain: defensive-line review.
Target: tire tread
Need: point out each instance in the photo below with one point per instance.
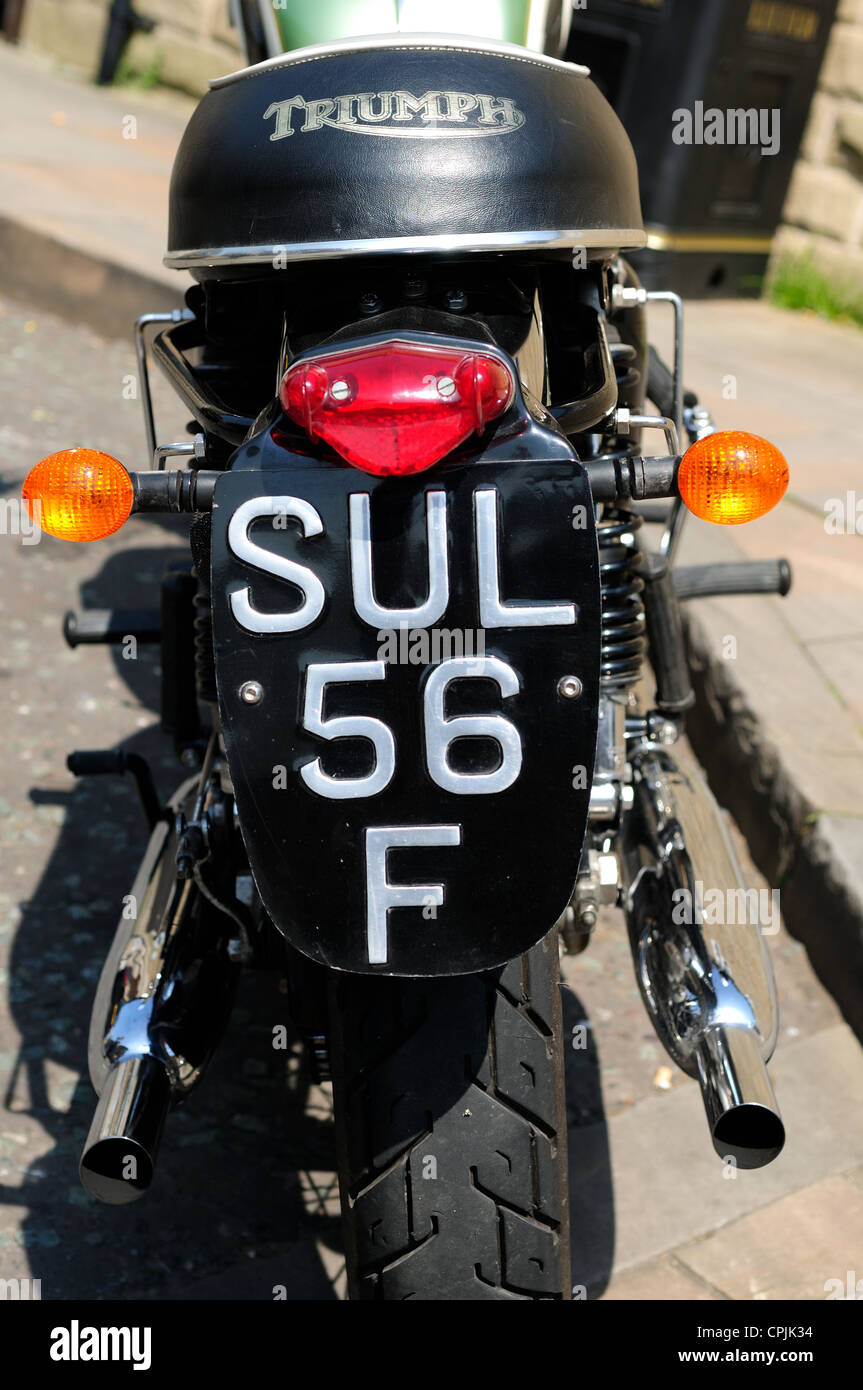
(466, 1071)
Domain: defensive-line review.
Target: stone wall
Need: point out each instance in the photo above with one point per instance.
(192, 41)
(823, 212)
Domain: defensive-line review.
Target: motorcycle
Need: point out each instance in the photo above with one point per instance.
(404, 670)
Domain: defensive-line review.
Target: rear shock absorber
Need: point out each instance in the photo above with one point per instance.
(622, 649)
(205, 657)
(623, 623)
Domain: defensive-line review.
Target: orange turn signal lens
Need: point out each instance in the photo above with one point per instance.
(78, 494)
(729, 477)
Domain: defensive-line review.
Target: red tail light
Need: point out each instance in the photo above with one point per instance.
(396, 407)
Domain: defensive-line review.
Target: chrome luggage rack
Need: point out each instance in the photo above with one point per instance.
(206, 407)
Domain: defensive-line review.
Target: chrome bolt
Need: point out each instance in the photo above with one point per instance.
(570, 687)
(251, 692)
(446, 386)
(627, 296)
(340, 390)
(662, 731)
(622, 420)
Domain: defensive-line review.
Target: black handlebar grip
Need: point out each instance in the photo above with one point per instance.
(111, 626)
(734, 577)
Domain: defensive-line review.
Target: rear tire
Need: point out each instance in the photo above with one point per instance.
(451, 1132)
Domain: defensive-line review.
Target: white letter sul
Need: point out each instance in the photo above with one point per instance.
(246, 549)
(493, 613)
(365, 602)
(381, 895)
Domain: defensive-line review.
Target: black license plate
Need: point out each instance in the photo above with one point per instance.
(408, 676)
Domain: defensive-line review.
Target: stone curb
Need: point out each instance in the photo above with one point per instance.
(809, 854)
(65, 280)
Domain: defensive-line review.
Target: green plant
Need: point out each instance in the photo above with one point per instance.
(145, 78)
(798, 283)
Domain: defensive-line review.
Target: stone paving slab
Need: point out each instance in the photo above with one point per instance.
(670, 1188)
(665, 1279)
(792, 1249)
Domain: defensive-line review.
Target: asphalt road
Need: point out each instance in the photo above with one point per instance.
(245, 1197)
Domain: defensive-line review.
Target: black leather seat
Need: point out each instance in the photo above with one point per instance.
(400, 144)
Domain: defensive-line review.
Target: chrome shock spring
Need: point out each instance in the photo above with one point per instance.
(623, 631)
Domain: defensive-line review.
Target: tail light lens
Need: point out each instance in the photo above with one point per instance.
(396, 408)
(729, 477)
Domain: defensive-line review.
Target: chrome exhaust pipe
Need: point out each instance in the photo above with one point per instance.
(704, 975)
(741, 1108)
(119, 1157)
(161, 1005)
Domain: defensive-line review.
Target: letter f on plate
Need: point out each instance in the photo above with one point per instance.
(381, 895)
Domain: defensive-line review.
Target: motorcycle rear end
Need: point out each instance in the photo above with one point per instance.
(404, 669)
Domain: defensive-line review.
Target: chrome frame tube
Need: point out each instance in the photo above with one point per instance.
(141, 324)
(671, 536)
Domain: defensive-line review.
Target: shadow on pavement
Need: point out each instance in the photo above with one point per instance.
(244, 1200)
(591, 1196)
(234, 1210)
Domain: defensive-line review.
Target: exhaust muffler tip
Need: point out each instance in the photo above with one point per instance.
(742, 1112)
(104, 1166)
(119, 1157)
(751, 1135)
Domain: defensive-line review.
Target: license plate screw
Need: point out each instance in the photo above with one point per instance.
(251, 692)
(570, 687)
